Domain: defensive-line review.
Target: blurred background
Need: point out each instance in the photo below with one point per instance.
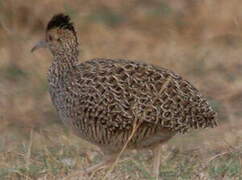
(200, 40)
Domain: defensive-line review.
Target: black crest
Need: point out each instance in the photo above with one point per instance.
(61, 21)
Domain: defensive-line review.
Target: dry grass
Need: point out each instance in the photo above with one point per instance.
(201, 40)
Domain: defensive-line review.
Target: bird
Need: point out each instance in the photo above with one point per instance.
(119, 104)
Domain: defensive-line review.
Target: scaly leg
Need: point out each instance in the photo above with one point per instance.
(107, 161)
(156, 160)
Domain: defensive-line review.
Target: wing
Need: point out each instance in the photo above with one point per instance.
(115, 93)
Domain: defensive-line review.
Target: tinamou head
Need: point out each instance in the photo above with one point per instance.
(60, 36)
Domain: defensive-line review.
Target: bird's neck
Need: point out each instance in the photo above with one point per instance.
(61, 65)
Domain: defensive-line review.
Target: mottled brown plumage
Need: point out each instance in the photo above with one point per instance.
(102, 99)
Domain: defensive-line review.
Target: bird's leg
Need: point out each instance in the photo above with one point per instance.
(156, 160)
(107, 161)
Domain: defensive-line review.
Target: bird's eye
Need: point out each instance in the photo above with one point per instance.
(50, 38)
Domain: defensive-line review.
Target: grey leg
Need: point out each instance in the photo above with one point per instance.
(156, 160)
(108, 160)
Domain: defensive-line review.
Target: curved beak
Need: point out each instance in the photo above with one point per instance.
(40, 44)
